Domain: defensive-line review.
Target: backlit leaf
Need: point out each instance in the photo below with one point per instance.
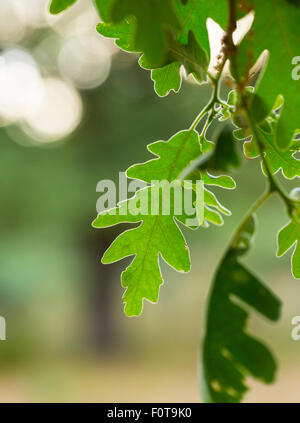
(158, 234)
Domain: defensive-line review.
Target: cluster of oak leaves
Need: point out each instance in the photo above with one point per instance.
(171, 35)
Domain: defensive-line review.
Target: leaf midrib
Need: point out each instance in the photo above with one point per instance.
(156, 221)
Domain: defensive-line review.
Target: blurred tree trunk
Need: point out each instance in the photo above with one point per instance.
(102, 288)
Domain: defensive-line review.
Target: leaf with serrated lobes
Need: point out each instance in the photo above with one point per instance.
(158, 233)
(155, 236)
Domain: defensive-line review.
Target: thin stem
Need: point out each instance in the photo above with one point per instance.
(207, 123)
(201, 115)
(232, 17)
(230, 47)
(214, 98)
(230, 51)
(252, 210)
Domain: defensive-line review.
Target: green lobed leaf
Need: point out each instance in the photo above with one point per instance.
(276, 158)
(57, 6)
(158, 234)
(164, 33)
(172, 157)
(155, 236)
(279, 34)
(229, 353)
(123, 32)
(289, 238)
(190, 55)
(167, 79)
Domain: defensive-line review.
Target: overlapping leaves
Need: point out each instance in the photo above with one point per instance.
(168, 34)
(229, 353)
(276, 29)
(155, 22)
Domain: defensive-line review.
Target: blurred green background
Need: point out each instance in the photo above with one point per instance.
(73, 111)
